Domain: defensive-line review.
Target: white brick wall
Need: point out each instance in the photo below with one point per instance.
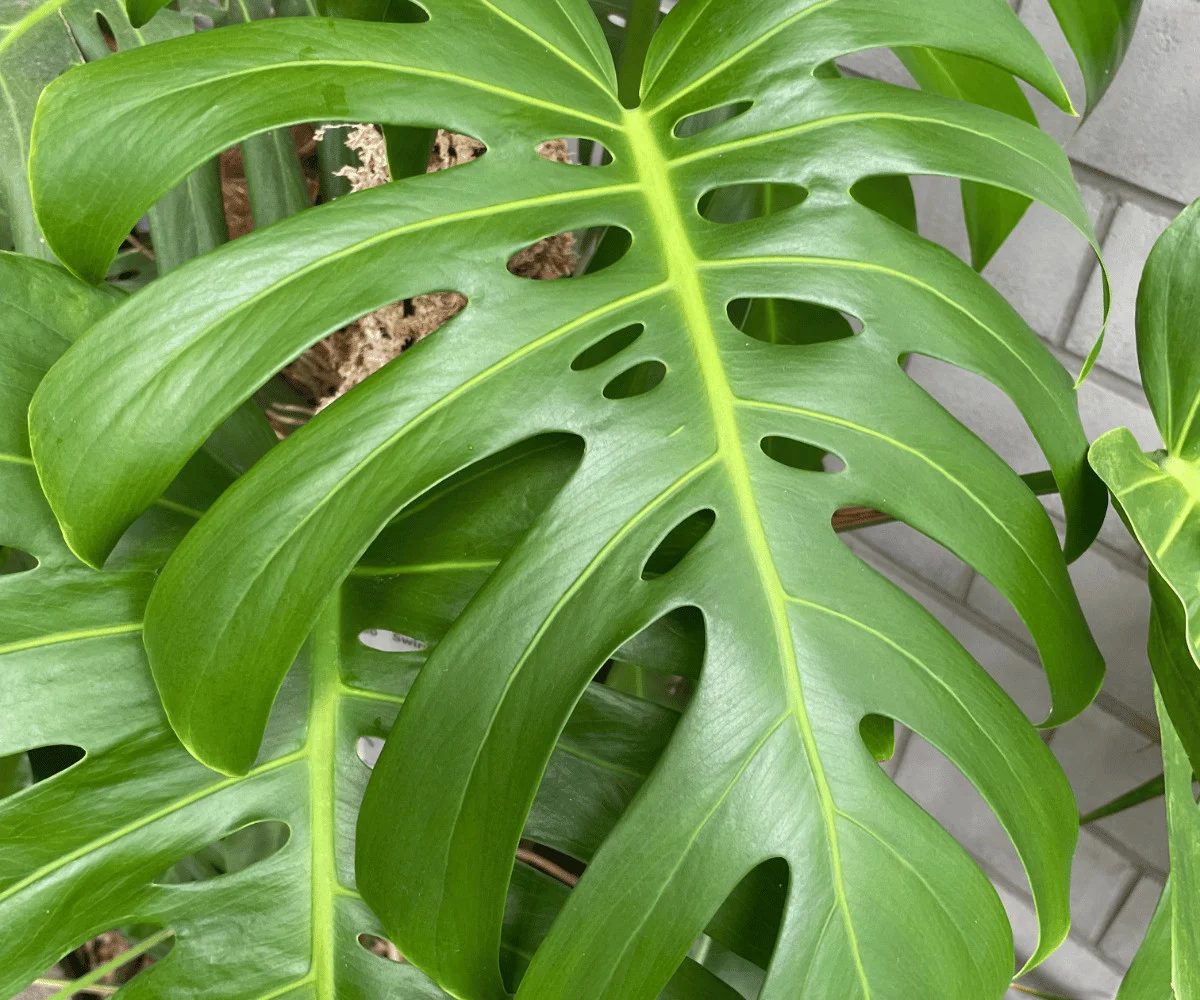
(1138, 161)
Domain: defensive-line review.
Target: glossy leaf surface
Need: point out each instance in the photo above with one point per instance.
(802, 641)
(283, 922)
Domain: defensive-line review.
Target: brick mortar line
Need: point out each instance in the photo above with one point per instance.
(1023, 892)
(1126, 190)
(1122, 900)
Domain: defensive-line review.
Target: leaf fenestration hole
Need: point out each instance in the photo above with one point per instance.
(381, 947)
(738, 202)
(702, 121)
(794, 322)
(106, 32)
(739, 942)
(679, 541)
(636, 381)
(387, 641)
(581, 152)
(14, 560)
(368, 749)
(801, 455)
(202, 22)
(407, 12)
(607, 347)
(662, 663)
(48, 761)
(124, 952)
(878, 734)
(890, 196)
(235, 852)
(18, 771)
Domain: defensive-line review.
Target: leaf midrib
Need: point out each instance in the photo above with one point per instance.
(683, 276)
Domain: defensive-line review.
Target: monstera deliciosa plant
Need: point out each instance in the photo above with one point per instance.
(1158, 495)
(640, 464)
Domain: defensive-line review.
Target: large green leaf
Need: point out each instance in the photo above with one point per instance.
(802, 641)
(1159, 492)
(88, 849)
(38, 42)
(1099, 35)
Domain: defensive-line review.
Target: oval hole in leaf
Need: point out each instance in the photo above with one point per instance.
(387, 641)
(233, 853)
(19, 771)
(584, 152)
(636, 381)
(889, 195)
(739, 942)
(106, 31)
(13, 560)
(202, 22)
(144, 944)
(661, 664)
(607, 347)
(406, 12)
(739, 202)
(601, 247)
(800, 454)
(673, 645)
(393, 329)
(368, 749)
(791, 321)
(579, 152)
(450, 149)
(391, 11)
(554, 257)
(680, 540)
(381, 947)
(878, 734)
(702, 121)
(45, 762)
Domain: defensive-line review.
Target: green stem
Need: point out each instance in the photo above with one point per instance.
(1038, 993)
(855, 518)
(88, 982)
(1152, 789)
(643, 19)
(103, 991)
(189, 220)
(274, 178)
